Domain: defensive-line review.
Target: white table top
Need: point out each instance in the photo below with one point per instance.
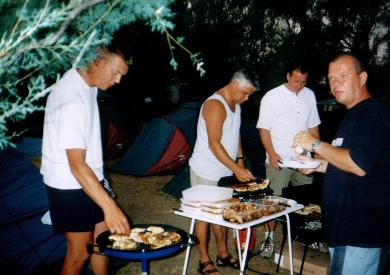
(218, 219)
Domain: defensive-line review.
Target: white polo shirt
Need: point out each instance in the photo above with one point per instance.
(284, 114)
(71, 121)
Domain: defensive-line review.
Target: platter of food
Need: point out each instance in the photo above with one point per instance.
(246, 212)
(143, 237)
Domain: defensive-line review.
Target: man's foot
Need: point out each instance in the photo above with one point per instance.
(228, 261)
(208, 268)
(267, 248)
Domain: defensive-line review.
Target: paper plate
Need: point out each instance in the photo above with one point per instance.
(299, 164)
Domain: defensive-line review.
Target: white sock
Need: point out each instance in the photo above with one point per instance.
(269, 234)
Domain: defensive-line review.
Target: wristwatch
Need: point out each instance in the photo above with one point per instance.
(243, 158)
(315, 145)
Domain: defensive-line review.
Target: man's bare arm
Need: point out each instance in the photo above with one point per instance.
(214, 115)
(338, 157)
(315, 131)
(114, 217)
(266, 140)
(240, 153)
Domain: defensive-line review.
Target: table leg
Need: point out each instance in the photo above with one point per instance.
(242, 257)
(188, 250)
(238, 245)
(290, 245)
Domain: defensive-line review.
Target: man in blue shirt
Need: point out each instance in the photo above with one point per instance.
(356, 192)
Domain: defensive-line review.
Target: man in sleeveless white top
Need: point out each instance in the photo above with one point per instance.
(218, 153)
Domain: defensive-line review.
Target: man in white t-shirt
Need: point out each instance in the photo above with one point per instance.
(72, 164)
(218, 153)
(285, 111)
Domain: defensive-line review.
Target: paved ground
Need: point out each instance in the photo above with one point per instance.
(144, 202)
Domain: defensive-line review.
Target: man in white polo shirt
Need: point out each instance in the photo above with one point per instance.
(285, 111)
(72, 163)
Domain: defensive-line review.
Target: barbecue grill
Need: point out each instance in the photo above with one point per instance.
(144, 253)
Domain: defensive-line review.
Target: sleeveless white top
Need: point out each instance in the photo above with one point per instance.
(203, 162)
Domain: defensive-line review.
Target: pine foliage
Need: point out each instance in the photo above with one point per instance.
(39, 40)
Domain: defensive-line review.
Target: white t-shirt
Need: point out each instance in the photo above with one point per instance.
(203, 162)
(284, 114)
(71, 121)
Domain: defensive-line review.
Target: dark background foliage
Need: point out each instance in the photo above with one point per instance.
(263, 35)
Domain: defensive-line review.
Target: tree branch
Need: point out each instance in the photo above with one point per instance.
(72, 15)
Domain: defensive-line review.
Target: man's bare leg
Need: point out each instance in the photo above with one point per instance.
(269, 227)
(220, 233)
(202, 231)
(99, 263)
(76, 254)
(203, 234)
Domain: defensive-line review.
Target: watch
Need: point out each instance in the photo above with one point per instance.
(315, 145)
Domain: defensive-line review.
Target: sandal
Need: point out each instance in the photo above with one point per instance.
(228, 261)
(202, 266)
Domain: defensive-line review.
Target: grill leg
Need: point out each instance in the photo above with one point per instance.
(144, 267)
(303, 258)
(281, 251)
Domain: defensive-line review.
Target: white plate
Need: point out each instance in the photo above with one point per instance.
(299, 164)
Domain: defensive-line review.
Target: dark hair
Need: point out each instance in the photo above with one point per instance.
(124, 52)
(248, 75)
(359, 67)
(300, 66)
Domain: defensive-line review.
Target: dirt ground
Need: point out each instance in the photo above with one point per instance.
(144, 202)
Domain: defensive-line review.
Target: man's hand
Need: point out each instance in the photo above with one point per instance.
(322, 168)
(274, 160)
(116, 221)
(304, 140)
(113, 215)
(243, 174)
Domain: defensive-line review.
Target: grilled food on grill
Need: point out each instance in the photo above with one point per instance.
(155, 229)
(311, 210)
(126, 244)
(153, 236)
(251, 186)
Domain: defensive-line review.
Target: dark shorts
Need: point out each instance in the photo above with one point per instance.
(73, 210)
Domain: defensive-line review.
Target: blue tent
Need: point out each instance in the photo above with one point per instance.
(163, 144)
(25, 243)
(185, 118)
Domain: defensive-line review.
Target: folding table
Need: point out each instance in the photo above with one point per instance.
(218, 219)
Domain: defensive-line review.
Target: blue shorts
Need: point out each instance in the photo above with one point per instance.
(73, 211)
(352, 260)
